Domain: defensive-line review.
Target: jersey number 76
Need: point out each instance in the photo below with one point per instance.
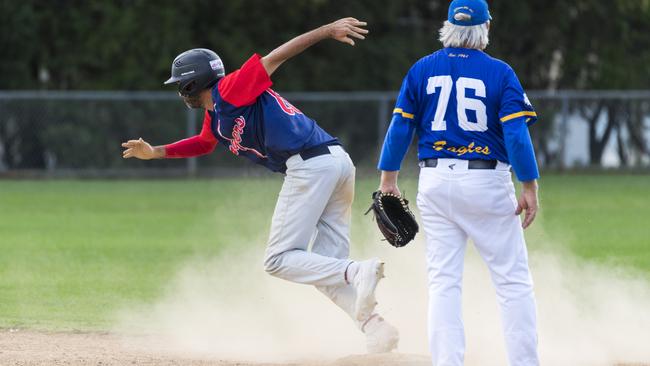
(463, 103)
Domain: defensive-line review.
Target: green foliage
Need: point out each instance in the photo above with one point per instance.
(129, 44)
(608, 46)
(85, 134)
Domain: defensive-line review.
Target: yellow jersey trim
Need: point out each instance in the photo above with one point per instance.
(518, 114)
(404, 114)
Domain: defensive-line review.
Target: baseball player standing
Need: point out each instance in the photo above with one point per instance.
(251, 120)
(471, 116)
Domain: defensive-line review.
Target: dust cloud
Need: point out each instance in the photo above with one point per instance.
(228, 308)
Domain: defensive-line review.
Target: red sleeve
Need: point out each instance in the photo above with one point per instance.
(242, 87)
(201, 144)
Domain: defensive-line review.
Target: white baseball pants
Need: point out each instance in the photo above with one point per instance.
(314, 206)
(457, 203)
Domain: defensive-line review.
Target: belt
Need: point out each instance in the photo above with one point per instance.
(317, 150)
(471, 164)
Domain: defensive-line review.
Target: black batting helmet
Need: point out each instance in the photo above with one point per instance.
(196, 70)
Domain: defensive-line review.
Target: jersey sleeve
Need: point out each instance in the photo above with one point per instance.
(516, 114)
(402, 126)
(242, 87)
(201, 144)
(514, 101)
(519, 148)
(396, 144)
(406, 104)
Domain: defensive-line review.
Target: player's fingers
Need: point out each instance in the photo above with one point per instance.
(355, 35)
(360, 30)
(359, 23)
(348, 40)
(128, 155)
(525, 223)
(127, 151)
(520, 208)
(530, 216)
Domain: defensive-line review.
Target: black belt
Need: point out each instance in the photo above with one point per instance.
(471, 164)
(317, 150)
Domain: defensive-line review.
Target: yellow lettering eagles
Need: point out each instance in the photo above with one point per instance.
(461, 150)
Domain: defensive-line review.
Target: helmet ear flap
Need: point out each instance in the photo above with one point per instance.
(187, 89)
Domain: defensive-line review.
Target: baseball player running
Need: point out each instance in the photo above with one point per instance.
(471, 116)
(251, 120)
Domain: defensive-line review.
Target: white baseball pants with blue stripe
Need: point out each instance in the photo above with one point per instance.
(458, 204)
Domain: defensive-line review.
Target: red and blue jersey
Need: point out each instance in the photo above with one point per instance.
(252, 120)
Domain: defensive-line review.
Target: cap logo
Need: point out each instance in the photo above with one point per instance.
(216, 64)
(462, 17)
(187, 73)
(463, 8)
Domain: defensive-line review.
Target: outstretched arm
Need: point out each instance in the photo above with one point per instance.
(201, 144)
(342, 30)
(187, 148)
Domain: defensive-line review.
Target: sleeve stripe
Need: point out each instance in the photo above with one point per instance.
(518, 114)
(404, 114)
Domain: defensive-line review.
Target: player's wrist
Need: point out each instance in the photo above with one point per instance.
(326, 31)
(530, 185)
(388, 182)
(159, 152)
(390, 187)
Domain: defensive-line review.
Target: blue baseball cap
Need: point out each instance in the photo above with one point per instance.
(475, 12)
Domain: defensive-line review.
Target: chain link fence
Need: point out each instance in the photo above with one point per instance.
(57, 133)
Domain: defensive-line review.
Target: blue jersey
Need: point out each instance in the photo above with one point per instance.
(463, 104)
(254, 121)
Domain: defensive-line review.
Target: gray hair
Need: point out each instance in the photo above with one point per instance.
(475, 36)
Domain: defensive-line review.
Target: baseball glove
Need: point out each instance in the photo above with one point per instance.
(394, 218)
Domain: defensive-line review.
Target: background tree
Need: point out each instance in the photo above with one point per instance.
(129, 45)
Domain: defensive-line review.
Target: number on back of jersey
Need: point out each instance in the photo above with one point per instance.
(463, 102)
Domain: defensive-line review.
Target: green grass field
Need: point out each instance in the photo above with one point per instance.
(72, 252)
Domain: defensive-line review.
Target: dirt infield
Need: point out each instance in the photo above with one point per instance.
(23, 347)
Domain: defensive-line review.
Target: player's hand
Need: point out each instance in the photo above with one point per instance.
(528, 203)
(138, 149)
(393, 188)
(388, 182)
(343, 30)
